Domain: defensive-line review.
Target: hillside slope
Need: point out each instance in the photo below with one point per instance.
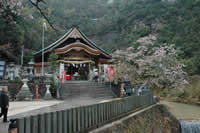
(113, 24)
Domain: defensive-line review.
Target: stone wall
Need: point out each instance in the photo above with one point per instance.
(156, 119)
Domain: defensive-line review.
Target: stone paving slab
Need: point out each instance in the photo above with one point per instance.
(20, 107)
(68, 103)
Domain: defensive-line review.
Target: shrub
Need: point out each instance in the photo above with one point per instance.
(13, 88)
(193, 89)
(41, 86)
(53, 87)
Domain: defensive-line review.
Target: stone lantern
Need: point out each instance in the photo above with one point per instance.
(48, 94)
(30, 68)
(25, 93)
(11, 71)
(31, 63)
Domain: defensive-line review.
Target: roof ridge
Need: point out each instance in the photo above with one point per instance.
(54, 43)
(65, 35)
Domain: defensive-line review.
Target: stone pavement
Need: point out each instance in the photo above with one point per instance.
(22, 109)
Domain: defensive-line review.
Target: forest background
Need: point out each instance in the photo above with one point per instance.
(112, 24)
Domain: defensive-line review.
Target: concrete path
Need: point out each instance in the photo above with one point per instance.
(22, 109)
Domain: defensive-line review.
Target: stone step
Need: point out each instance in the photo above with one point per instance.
(86, 92)
(85, 89)
(85, 86)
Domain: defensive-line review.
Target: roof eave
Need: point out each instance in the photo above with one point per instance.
(53, 44)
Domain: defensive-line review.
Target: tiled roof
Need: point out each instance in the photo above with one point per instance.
(53, 44)
(65, 35)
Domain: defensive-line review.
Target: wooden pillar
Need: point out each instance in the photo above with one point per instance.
(99, 65)
(41, 71)
(99, 69)
(89, 66)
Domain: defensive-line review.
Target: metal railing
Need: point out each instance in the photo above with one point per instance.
(81, 119)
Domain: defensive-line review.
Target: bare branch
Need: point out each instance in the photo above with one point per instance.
(41, 12)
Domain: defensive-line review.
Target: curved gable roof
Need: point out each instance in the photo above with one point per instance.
(66, 36)
(53, 44)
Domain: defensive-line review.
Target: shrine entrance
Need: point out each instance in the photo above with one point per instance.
(77, 71)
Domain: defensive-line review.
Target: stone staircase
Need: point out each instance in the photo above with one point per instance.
(85, 89)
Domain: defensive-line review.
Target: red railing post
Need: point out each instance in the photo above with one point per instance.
(36, 93)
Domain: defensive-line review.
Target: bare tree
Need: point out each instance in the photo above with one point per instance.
(35, 3)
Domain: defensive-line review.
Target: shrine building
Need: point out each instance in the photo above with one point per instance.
(78, 54)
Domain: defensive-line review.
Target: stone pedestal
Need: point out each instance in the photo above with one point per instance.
(48, 94)
(24, 94)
